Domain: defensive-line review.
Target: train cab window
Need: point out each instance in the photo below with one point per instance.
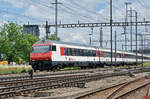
(53, 48)
(41, 49)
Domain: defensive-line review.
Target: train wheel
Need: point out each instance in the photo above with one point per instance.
(102, 65)
(83, 67)
(34, 68)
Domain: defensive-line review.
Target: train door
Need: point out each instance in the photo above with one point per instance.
(122, 58)
(54, 53)
(63, 54)
(98, 55)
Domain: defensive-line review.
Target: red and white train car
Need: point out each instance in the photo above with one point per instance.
(49, 55)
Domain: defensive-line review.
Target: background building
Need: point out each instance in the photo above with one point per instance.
(32, 29)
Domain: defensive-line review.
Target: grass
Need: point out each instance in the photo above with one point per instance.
(23, 69)
(14, 69)
(140, 65)
(71, 68)
(145, 64)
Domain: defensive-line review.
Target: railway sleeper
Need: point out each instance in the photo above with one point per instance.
(69, 83)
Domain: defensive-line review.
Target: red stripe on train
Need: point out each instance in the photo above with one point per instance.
(62, 51)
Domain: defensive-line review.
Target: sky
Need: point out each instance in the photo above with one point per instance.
(74, 11)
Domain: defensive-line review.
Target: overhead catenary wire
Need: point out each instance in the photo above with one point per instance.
(42, 4)
(69, 12)
(37, 19)
(88, 10)
(20, 15)
(77, 13)
(143, 6)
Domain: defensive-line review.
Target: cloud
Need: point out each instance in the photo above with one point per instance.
(84, 11)
(18, 3)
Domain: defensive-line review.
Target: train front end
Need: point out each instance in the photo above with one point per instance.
(40, 56)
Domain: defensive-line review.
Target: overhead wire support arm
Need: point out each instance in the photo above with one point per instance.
(107, 24)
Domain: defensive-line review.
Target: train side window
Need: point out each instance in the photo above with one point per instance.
(87, 54)
(90, 52)
(78, 52)
(53, 48)
(81, 52)
(106, 54)
(73, 52)
(70, 51)
(64, 51)
(84, 52)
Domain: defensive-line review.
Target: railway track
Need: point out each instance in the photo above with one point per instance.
(14, 87)
(23, 89)
(120, 91)
(127, 87)
(35, 80)
(37, 75)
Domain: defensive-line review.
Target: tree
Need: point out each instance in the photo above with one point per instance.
(52, 37)
(14, 44)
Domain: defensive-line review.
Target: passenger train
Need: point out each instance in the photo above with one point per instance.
(51, 55)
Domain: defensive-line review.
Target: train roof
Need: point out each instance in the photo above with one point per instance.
(81, 45)
(60, 42)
